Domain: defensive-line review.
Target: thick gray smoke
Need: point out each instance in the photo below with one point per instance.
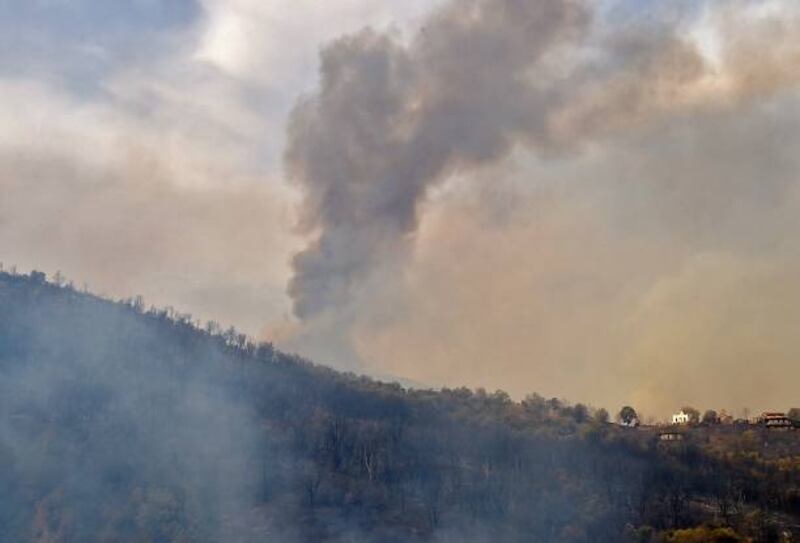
(550, 79)
(391, 120)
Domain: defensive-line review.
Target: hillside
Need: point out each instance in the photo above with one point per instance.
(119, 423)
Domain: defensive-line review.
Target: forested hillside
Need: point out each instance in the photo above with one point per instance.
(119, 423)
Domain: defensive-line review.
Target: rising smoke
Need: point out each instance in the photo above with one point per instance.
(393, 119)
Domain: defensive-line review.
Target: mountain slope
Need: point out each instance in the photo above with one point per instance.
(119, 424)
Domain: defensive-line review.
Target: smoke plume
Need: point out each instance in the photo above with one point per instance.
(391, 120)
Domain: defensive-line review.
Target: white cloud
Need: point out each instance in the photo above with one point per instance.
(277, 41)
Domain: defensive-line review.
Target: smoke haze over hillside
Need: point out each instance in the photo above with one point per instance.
(593, 200)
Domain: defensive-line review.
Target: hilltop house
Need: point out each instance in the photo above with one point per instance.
(775, 420)
(633, 423)
(680, 418)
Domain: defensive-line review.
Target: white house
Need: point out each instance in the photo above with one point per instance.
(634, 423)
(680, 418)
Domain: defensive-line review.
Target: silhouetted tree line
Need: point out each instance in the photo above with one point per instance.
(122, 423)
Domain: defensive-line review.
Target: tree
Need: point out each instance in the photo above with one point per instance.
(627, 415)
(38, 277)
(710, 417)
(213, 328)
(694, 414)
(580, 413)
(794, 413)
(601, 416)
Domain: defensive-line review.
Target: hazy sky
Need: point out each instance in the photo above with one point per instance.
(597, 201)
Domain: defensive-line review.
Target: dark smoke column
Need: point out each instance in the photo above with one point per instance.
(392, 119)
